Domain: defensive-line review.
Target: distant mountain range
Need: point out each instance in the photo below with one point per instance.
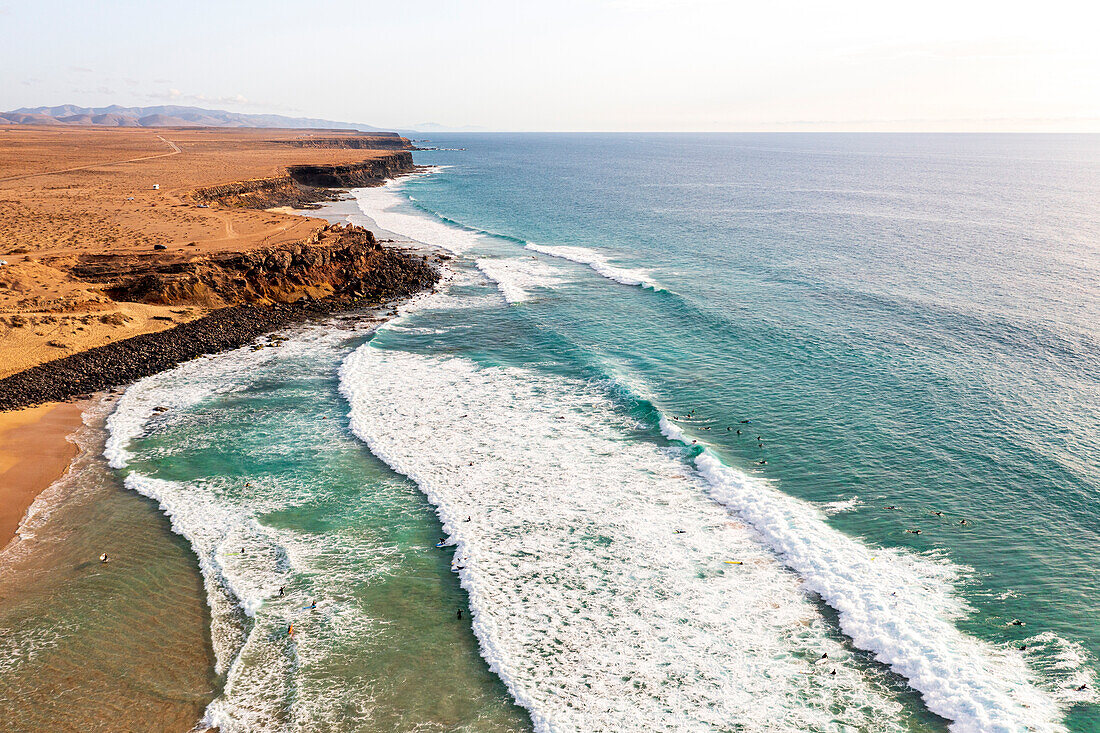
(163, 116)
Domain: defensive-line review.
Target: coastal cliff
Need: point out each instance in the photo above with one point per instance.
(305, 185)
(339, 260)
(377, 141)
(253, 293)
(284, 268)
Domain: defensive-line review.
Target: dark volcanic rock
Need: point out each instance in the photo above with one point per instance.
(305, 185)
(369, 274)
(339, 260)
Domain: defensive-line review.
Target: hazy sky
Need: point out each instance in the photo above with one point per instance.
(570, 65)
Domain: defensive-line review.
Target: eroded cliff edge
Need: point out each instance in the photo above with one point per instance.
(303, 185)
(247, 292)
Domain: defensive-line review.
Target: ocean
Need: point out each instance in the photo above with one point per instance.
(754, 432)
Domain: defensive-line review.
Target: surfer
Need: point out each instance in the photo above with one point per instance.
(282, 590)
(738, 431)
(913, 531)
(891, 507)
(677, 531)
(312, 606)
(1017, 622)
(962, 522)
(1082, 688)
(468, 518)
(746, 422)
(761, 463)
(290, 631)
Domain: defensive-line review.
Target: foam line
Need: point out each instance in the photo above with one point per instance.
(586, 601)
(516, 277)
(899, 606)
(599, 262)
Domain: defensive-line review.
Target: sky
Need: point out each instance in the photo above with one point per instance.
(602, 65)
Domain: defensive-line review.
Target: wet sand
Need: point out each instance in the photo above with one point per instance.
(90, 647)
(34, 452)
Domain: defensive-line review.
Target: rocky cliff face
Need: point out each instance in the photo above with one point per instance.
(356, 175)
(305, 185)
(343, 262)
(379, 141)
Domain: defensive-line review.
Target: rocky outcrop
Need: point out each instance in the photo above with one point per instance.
(263, 193)
(355, 175)
(141, 356)
(339, 261)
(305, 185)
(254, 293)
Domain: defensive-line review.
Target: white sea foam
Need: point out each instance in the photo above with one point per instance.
(840, 506)
(897, 605)
(516, 277)
(384, 204)
(601, 263)
(244, 561)
(586, 601)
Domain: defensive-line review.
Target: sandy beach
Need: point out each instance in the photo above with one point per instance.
(34, 452)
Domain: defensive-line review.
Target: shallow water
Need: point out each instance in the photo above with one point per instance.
(91, 647)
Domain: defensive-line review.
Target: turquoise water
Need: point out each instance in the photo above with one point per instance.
(908, 323)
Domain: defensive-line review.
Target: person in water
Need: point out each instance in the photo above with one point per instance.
(290, 631)
(282, 589)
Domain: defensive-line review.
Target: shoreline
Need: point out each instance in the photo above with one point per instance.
(36, 447)
(35, 451)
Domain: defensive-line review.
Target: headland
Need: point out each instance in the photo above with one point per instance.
(126, 251)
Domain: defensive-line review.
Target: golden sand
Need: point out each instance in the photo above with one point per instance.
(34, 453)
